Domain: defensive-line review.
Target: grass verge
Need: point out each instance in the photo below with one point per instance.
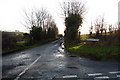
(94, 52)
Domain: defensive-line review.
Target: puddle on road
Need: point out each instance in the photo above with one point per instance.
(62, 46)
(72, 55)
(59, 55)
(37, 54)
(23, 56)
(72, 67)
(60, 49)
(20, 64)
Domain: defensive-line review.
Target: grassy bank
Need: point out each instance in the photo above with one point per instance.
(21, 46)
(94, 52)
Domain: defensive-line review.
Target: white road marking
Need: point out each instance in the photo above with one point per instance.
(101, 77)
(70, 76)
(118, 75)
(95, 74)
(115, 72)
(27, 68)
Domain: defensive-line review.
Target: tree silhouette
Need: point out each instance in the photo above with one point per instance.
(72, 25)
(41, 25)
(73, 12)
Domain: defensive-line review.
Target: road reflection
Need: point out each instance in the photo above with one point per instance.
(59, 55)
(20, 57)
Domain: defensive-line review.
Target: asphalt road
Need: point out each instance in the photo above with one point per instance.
(50, 61)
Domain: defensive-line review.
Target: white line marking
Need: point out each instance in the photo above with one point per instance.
(95, 74)
(27, 68)
(102, 77)
(70, 76)
(118, 75)
(115, 72)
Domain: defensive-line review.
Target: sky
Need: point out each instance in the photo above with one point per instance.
(12, 13)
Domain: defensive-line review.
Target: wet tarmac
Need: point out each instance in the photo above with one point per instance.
(51, 61)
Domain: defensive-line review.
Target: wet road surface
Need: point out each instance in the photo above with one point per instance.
(50, 61)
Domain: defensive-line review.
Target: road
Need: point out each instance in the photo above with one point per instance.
(51, 61)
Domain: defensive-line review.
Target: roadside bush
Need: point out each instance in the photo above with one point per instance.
(8, 40)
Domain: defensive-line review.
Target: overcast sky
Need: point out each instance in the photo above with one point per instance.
(11, 12)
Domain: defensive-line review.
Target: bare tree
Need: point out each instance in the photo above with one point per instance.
(111, 29)
(29, 19)
(36, 17)
(102, 25)
(99, 24)
(91, 29)
(73, 12)
(73, 7)
(41, 25)
(97, 27)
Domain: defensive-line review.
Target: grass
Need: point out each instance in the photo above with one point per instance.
(84, 36)
(94, 52)
(21, 46)
(21, 42)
